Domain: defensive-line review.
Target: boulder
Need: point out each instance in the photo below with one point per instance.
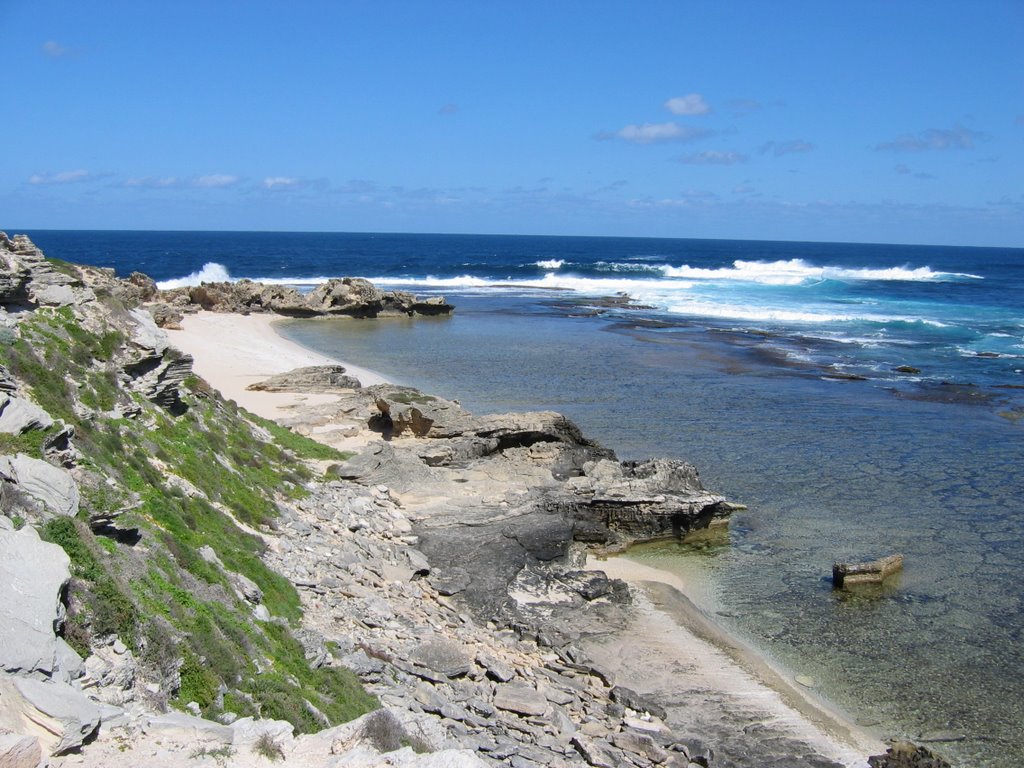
(313, 378)
(444, 656)
(53, 487)
(520, 698)
(845, 575)
(34, 574)
(18, 415)
(60, 716)
(347, 296)
(18, 751)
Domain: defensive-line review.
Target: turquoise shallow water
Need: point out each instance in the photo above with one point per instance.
(830, 470)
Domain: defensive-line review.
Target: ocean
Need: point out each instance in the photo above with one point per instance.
(861, 399)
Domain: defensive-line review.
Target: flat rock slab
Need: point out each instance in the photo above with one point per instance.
(520, 698)
(188, 729)
(312, 378)
(60, 716)
(51, 486)
(18, 751)
(442, 656)
(33, 573)
(18, 415)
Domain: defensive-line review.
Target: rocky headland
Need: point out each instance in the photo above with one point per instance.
(186, 583)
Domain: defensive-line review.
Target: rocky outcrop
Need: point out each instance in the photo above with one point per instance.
(53, 488)
(60, 716)
(314, 378)
(157, 370)
(28, 279)
(18, 415)
(903, 754)
(34, 574)
(348, 296)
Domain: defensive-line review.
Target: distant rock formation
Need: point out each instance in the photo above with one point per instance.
(348, 296)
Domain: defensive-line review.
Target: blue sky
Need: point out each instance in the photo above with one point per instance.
(868, 121)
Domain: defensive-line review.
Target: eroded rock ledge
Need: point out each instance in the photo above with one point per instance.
(348, 296)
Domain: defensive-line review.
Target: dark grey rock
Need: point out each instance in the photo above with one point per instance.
(637, 702)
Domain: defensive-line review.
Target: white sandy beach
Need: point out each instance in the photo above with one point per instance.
(233, 351)
(669, 632)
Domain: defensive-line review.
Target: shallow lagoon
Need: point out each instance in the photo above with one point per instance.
(830, 470)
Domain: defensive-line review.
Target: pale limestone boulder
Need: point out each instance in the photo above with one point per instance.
(33, 573)
(60, 716)
(186, 729)
(520, 698)
(18, 415)
(19, 751)
(51, 486)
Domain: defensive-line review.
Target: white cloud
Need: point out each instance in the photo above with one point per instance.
(216, 181)
(655, 133)
(153, 182)
(713, 157)
(957, 137)
(691, 104)
(55, 49)
(780, 148)
(272, 182)
(64, 177)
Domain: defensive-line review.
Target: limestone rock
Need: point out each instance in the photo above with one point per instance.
(60, 716)
(18, 751)
(314, 378)
(442, 656)
(188, 729)
(18, 415)
(520, 698)
(53, 487)
(34, 573)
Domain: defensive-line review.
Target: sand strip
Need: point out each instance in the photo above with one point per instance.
(686, 636)
(233, 351)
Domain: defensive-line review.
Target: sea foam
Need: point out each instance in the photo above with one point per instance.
(212, 272)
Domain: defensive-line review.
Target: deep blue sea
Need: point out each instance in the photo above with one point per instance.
(860, 399)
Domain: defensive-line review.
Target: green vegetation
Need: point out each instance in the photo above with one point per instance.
(106, 607)
(30, 443)
(302, 446)
(209, 477)
(268, 748)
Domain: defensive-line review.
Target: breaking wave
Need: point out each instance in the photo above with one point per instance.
(212, 272)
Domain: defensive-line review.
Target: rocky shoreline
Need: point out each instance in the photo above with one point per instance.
(443, 563)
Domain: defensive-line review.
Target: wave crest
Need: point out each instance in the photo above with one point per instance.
(798, 272)
(212, 272)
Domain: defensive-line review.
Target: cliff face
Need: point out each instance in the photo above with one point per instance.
(137, 506)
